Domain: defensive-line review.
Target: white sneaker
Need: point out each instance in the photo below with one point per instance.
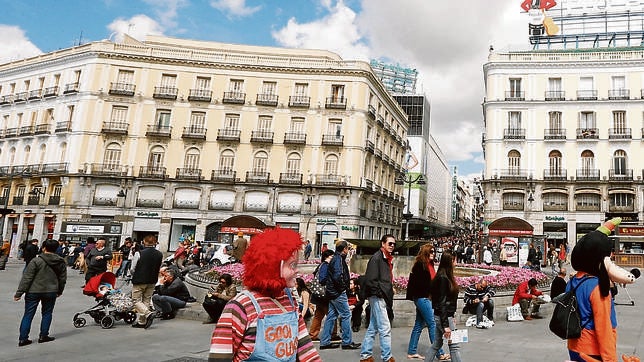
(481, 326)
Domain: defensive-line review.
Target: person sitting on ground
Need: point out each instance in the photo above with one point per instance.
(558, 285)
(171, 295)
(477, 299)
(527, 295)
(217, 297)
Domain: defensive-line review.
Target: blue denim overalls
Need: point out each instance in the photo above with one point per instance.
(277, 335)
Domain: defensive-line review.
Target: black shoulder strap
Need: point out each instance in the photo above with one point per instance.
(574, 291)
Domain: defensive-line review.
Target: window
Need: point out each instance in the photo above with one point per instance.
(555, 163)
(513, 201)
(269, 88)
(514, 120)
(163, 118)
(168, 80)
(515, 88)
(227, 160)
(191, 160)
(125, 77)
(555, 201)
(618, 82)
(231, 121)
(112, 156)
(260, 162)
(619, 122)
(293, 163)
(554, 120)
(236, 86)
(264, 123)
(43, 154)
(619, 163)
(331, 165)
(297, 125)
(514, 163)
(587, 161)
(63, 152)
(119, 114)
(335, 127)
(70, 113)
(621, 200)
(337, 92)
(197, 121)
(301, 89)
(554, 85)
(26, 152)
(155, 159)
(77, 75)
(202, 83)
(587, 120)
(587, 202)
(56, 80)
(41, 83)
(48, 116)
(586, 84)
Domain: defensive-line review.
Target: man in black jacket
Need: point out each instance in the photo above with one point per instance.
(379, 291)
(558, 285)
(171, 295)
(30, 252)
(337, 283)
(145, 273)
(97, 259)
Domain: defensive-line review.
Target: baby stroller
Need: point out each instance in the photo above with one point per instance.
(111, 304)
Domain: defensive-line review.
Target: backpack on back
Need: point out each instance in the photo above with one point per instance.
(566, 321)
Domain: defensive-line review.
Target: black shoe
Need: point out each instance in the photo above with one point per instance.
(148, 320)
(336, 338)
(167, 316)
(355, 329)
(45, 339)
(330, 346)
(25, 342)
(351, 346)
(137, 325)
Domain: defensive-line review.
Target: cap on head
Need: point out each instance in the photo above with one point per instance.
(240, 234)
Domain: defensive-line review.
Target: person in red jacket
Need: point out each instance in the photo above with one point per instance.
(527, 295)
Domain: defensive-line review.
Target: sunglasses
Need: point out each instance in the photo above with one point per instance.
(391, 244)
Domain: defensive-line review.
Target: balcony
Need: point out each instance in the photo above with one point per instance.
(258, 177)
(54, 200)
(117, 128)
(620, 175)
(193, 132)
(298, 138)
(378, 152)
(368, 146)
(64, 126)
(513, 174)
(228, 134)
(586, 174)
(555, 96)
(619, 134)
(108, 169)
(291, 178)
(165, 93)
(122, 89)
(11, 132)
(71, 88)
(20, 97)
(330, 180)
(515, 96)
(514, 134)
(223, 175)
(200, 95)
(152, 172)
(267, 99)
(18, 200)
(35, 94)
(332, 140)
(58, 168)
(189, 173)
(555, 175)
(43, 129)
(587, 133)
(50, 92)
(262, 136)
(336, 103)
(155, 130)
(33, 200)
(371, 112)
(380, 120)
(554, 134)
(27, 130)
(234, 98)
(616, 94)
(587, 95)
(8, 99)
(299, 101)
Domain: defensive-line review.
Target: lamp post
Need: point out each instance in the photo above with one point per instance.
(409, 180)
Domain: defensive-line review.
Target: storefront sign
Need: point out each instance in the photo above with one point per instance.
(499, 232)
(555, 234)
(554, 218)
(147, 214)
(325, 221)
(84, 229)
(626, 217)
(630, 230)
(234, 230)
(349, 228)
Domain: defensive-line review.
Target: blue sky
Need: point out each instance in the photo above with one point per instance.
(446, 41)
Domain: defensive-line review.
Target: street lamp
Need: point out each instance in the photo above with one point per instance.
(408, 179)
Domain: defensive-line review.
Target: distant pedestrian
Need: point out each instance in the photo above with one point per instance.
(558, 285)
(307, 250)
(42, 282)
(4, 253)
(487, 256)
(31, 251)
(239, 246)
(124, 269)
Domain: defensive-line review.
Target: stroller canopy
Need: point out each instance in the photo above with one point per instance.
(91, 288)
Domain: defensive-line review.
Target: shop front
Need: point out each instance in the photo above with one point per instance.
(514, 235)
(146, 223)
(77, 231)
(555, 231)
(249, 225)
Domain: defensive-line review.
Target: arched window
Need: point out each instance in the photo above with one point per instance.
(260, 163)
(554, 158)
(619, 163)
(27, 152)
(12, 156)
(226, 161)
(293, 161)
(587, 166)
(514, 163)
(191, 160)
(112, 156)
(63, 152)
(43, 154)
(331, 165)
(155, 159)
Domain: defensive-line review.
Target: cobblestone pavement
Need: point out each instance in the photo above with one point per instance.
(188, 340)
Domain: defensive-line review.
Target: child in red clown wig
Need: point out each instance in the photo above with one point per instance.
(262, 322)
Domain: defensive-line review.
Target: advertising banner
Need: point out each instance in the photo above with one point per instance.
(511, 246)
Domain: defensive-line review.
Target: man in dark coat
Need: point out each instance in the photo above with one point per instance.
(97, 259)
(31, 250)
(558, 285)
(171, 295)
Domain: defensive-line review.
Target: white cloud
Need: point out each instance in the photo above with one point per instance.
(167, 11)
(15, 45)
(137, 27)
(234, 8)
(337, 32)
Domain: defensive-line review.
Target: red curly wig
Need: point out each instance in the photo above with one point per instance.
(263, 258)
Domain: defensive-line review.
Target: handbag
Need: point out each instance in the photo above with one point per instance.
(317, 289)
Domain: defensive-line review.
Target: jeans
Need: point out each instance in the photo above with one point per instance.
(166, 303)
(338, 307)
(424, 318)
(454, 348)
(123, 269)
(480, 307)
(379, 323)
(48, 301)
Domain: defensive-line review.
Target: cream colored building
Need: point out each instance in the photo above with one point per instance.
(563, 140)
(173, 137)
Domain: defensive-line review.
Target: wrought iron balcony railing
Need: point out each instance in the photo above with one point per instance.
(223, 175)
(554, 134)
(50, 92)
(555, 175)
(619, 93)
(35, 94)
(27, 130)
(587, 174)
(619, 134)
(555, 95)
(371, 112)
(71, 88)
(295, 138)
(587, 133)
(234, 98)
(193, 132)
(200, 95)
(188, 173)
(332, 140)
(11, 132)
(336, 103)
(330, 179)
(258, 176)
(262, 136)
(110, 127)
(620, 175)
(514, 95)
(587, 95)
(514, 133)
(266, 99)
(122, 89)
(165, 92)
(369, 147)
(108, 169)
(152, 172)
(299, 101)
(291, 178)
(155, 130)
(514, 173)
(63, 126)
(44, 128)
(228, 134)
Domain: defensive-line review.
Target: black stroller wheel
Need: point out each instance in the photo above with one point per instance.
(107, 322)
(79, 322)
(129, 317)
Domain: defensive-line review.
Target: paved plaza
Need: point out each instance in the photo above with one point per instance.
(188, 340)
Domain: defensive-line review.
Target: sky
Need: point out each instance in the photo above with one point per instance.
(446, 41)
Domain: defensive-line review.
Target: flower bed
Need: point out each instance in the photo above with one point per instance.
(504, 278)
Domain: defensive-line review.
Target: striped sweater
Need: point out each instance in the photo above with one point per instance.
(234, 336)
